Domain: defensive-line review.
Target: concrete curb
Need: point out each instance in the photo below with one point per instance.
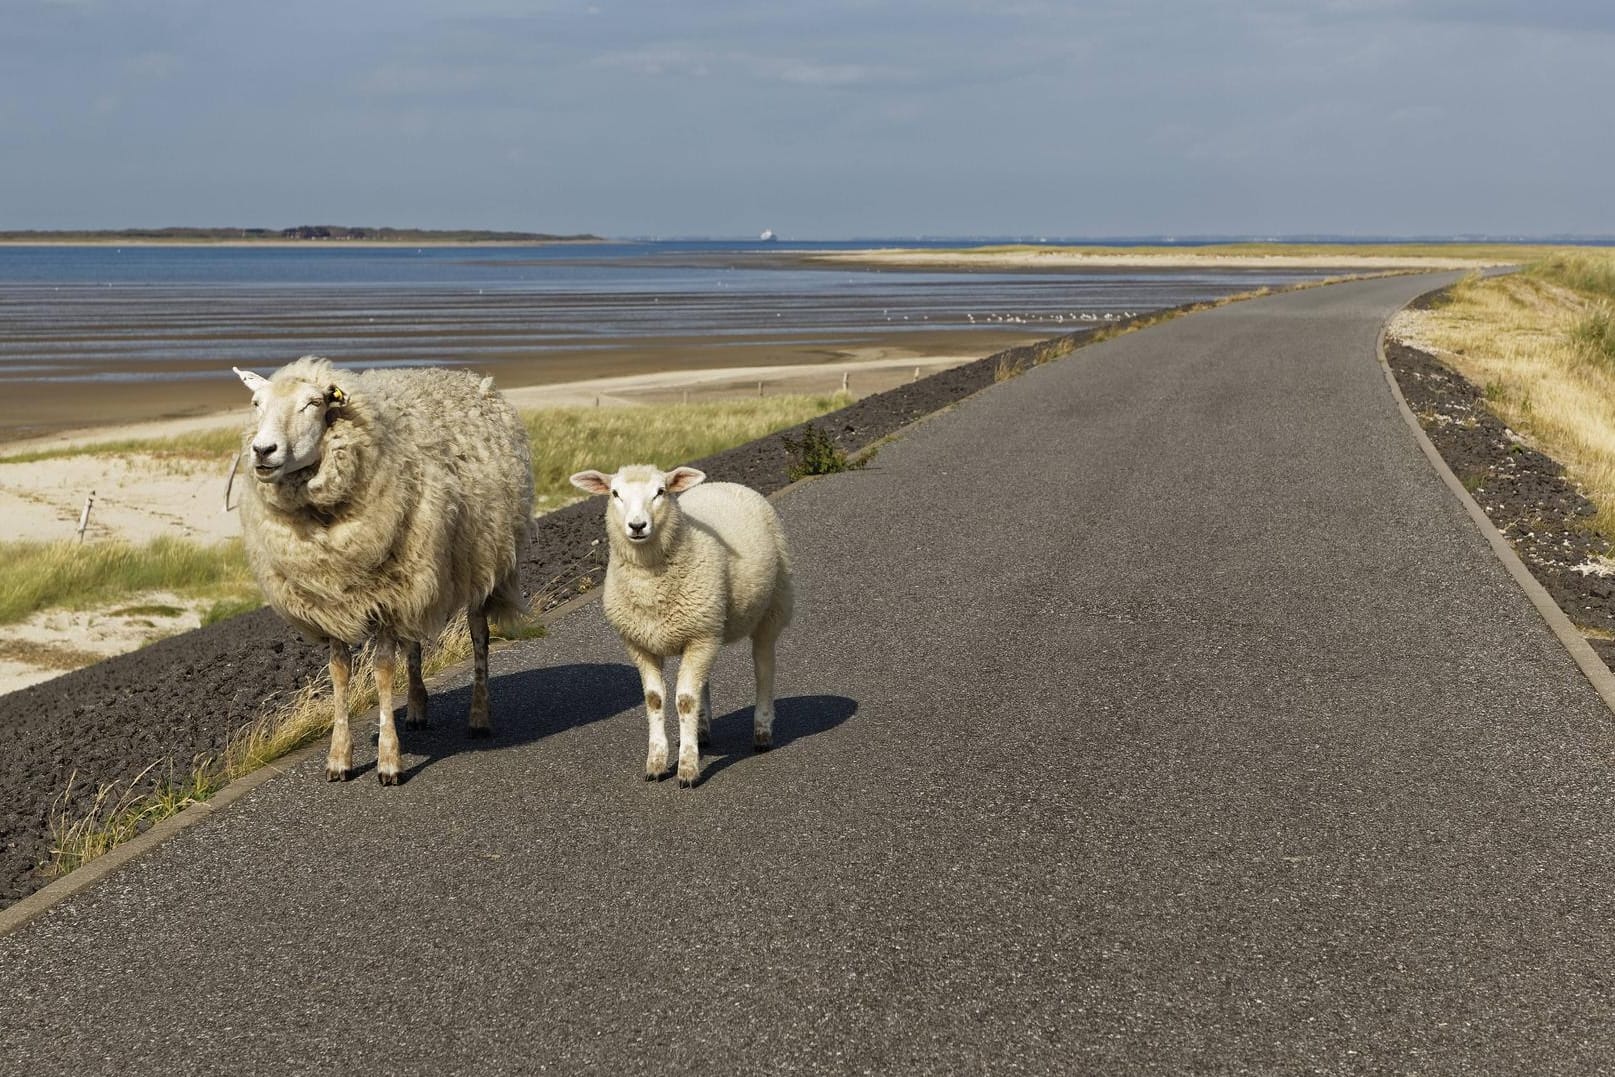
(1597, 674)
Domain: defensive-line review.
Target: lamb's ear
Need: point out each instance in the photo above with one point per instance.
(249, 379)
(335, 397)
(681, 479)
(592, 481)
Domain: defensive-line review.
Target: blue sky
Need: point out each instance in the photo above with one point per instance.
(820, 120)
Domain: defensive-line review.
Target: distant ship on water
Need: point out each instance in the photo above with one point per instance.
(768, 236)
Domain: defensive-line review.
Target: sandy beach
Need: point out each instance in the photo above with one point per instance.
(42, 414)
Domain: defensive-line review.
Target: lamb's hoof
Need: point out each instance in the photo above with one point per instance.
(703, 739)
(686, 783)
(653, 775)
(337, 774)
(417, 723)
(386, 778)
(478, 732)
(762, 742)
(689, 777)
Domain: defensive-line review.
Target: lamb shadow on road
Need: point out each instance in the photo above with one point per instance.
(525, 706)
(795, 717)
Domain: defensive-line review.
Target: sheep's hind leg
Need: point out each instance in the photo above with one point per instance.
(339, 760)
(762, 660)
(388, 760)
(693, 673)
(703, 731)
(650, 679)
(416, 718)
(477, 618)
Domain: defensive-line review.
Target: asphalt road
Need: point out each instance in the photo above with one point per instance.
(1155, 712)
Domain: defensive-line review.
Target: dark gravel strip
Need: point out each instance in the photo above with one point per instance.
(1546, 517)
(185, 696)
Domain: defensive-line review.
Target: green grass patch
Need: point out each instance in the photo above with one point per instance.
(36, 576)
(816, 453)
(232, 606)
(571, 439)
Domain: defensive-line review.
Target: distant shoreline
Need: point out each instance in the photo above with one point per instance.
(335, 244)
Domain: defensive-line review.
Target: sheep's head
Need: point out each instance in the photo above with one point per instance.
(640, 497)
(293, 408)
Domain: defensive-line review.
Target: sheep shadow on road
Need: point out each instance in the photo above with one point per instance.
(795, 718)
(526, 705)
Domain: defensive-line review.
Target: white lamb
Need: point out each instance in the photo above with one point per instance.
(386, 502)
(688, 574)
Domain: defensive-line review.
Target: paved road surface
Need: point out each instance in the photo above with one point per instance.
(1157, 712)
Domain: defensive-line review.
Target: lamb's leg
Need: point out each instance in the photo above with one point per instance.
(762, 660)
(693, 672)
(417, 691)
(477, 618)
(704, 718)
(650, 679)
(339, 760)
(388, 762)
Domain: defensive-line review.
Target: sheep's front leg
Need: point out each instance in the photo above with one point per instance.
(762, 660)
(339, 760)
(416, 718)
(650, 679)
(388, 762)
(693, 672)
(477, 619)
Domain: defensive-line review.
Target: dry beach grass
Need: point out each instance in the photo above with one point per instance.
(1541, 344)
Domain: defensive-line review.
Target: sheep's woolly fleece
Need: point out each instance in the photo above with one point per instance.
(419, 507)
(714, 568)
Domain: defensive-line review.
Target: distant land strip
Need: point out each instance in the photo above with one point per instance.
(311, 233)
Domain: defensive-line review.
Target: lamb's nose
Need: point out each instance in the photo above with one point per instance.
(638, 526)
(264, 451)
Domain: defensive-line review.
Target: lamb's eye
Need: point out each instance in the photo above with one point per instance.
(659, 493)
(616, 495)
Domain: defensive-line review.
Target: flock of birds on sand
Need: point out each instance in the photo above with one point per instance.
(1057, 317)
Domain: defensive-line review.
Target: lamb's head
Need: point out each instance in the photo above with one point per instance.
(294, 408)
(641, 504)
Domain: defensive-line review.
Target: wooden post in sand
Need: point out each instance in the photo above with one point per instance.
(759, 388)
(84, 517)
(844, 376)
(916, 373)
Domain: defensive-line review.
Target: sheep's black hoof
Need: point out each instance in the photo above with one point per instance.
(686, 783)
(478, 732)
(762, 744)
(417, 723)
(337, 774)
(703, 740)
(652, 776)
(386, 779)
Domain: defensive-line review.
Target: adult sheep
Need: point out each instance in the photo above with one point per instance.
(692, 567)
(385, 502)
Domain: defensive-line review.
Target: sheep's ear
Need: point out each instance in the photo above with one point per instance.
(249, 379)
(592, 481)
(335, 397)
(681, 479)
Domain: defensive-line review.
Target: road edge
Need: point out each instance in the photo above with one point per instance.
(1592, 667)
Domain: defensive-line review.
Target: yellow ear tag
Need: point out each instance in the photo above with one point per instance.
(336, 396)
